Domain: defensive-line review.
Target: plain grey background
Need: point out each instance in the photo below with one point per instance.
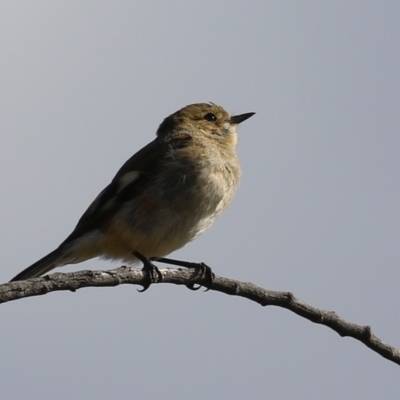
(85, 84)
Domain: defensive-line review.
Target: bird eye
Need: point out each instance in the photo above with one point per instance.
(210, 117)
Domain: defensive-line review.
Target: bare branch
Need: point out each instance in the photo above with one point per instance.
(124, 275)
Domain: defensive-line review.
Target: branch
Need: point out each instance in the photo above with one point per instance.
(124, 275)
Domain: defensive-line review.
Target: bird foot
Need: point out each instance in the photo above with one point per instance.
(204, 271)
(153, 274)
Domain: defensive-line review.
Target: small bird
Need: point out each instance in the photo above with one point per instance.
(163, 197)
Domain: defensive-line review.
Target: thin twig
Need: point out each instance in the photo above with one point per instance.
(124, 275)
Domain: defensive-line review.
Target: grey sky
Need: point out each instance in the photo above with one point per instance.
(85, 84)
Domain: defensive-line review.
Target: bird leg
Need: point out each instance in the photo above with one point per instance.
(151, 270)
(204, 270)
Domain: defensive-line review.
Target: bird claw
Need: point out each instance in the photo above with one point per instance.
(192, 287)
(203, 270)
(208, 276)
(150, 270)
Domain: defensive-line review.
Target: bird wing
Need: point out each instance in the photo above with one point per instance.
(129, 182)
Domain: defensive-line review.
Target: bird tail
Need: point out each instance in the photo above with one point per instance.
(45, 264)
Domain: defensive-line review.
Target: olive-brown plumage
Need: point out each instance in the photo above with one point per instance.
(163, 197)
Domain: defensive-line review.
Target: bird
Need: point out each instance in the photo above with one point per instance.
(163, 197)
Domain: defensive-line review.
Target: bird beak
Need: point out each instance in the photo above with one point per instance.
(237, 119)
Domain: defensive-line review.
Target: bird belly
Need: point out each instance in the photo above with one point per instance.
(158, 225)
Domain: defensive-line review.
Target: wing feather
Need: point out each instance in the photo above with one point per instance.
(131, 179)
